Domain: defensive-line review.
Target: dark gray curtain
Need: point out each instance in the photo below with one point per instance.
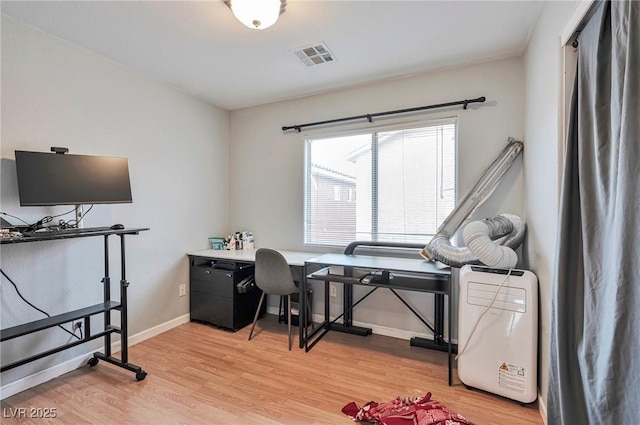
(594, 371)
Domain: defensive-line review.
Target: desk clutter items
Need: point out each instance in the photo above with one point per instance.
(405, 411)
(239, 240)
(9, 234)
(217, 243)
(9, 231)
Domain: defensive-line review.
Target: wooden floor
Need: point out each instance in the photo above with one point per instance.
(200, 374)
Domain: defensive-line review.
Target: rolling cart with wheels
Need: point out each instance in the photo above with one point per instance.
(105, 308)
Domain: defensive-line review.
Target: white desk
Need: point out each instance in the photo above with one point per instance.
(294, 258)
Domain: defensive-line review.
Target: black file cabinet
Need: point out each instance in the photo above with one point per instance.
(214, 297)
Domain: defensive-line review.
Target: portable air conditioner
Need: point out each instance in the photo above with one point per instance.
(500, 355)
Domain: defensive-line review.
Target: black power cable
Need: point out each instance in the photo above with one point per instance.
(33, 306)
(49, 218)
(74, 222)
(17, 218)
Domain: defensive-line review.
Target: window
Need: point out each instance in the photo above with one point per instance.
(399, 185)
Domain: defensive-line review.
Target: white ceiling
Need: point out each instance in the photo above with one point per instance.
(200, 48)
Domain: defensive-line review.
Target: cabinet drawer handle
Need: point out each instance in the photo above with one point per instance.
(207, 271)
(229, 274)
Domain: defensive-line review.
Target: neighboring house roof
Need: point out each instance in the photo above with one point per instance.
(328, 172)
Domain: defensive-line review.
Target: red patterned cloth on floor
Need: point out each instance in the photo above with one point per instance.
(405, 411)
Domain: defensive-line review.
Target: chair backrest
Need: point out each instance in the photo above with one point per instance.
(272, 274)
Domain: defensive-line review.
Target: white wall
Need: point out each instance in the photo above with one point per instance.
(543, 137)
(56, 94)
(267, 166)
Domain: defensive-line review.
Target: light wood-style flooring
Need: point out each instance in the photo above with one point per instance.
(202, 375)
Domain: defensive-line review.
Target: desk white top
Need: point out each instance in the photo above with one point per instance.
(417, 265)
(294, 258)
(297, 258)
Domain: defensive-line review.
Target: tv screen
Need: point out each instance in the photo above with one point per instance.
(64, 179)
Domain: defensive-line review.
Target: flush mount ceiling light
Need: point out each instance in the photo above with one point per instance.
(257, 14)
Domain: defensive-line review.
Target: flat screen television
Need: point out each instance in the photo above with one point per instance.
(64, 179)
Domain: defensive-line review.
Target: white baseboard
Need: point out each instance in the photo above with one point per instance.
(43, 376)
(151, 332)
(60, 369)
(542, 408)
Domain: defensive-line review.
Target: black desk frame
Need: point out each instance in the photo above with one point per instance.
(435, 282)
(105, 308)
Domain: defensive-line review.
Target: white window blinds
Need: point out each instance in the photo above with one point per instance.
(394, 185)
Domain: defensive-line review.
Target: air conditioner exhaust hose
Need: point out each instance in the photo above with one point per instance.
(440, 248)
(491, 241)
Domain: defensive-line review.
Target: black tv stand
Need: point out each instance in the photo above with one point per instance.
(84, 314)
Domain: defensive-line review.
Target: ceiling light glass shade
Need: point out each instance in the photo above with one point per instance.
(256, 14)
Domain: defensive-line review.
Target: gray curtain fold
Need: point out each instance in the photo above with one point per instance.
(594, 371)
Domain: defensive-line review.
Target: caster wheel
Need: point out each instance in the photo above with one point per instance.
(141, 375)
(92, 362)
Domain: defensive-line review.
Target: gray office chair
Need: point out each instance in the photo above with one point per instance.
(273, 277)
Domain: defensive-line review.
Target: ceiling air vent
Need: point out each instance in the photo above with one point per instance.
(314, 54)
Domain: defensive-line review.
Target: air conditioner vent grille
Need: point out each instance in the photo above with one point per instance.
(314, 54)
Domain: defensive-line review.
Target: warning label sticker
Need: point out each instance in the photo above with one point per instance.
(512, 377)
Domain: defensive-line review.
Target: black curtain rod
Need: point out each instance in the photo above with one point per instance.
(369, 117)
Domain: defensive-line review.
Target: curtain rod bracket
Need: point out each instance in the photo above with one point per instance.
(369, 118)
